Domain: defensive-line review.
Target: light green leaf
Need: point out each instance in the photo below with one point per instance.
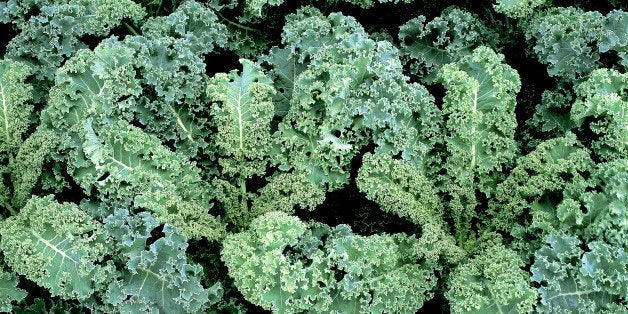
(428, 46)
(399, 187)
(9, 292)
(288, 266)
(517, 8)
(154, 178)
(284, 73)
(59, 29)
(156, 277)
(572, 281)
(242, 113)
(565, 38)
(603, 97)
(58, 246)
(480, 104)
(15, 109)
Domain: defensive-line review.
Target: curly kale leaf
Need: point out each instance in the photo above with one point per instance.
(616, 35)
(601, 108)
(517, 8)
(173, 75)
(129, 166)
(22, 158)
(157, 80)
(284, 71)
(492, 282)
(427, 46)
(58, 246)
(351, 89)
(17, 12)
(9, 292)
(605, 215)
(552, 116)
(317, 134)
(28, 166)
(479, 133)
(399, 187)
(556, 167)
(15, 96)
(284, 192)
(401, 117)
(256, 9)
(286, 265)
(156, 276)
(91, 106)
(48, 39)
(574, 281)
(479, 105)
(596, 214)
(564, 39)
(571, 41)
(192, 25)
(242, 114)
(560, 190)
(98, 85)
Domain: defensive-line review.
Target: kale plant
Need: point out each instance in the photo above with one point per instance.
(356, 156)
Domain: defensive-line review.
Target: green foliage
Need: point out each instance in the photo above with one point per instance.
(209, 156)
(242, 115)
(351, 86)
(616, 37)
(104, 154)
(28, 163)
(58, 246)
(556, 167)
(552, 114)
(243, 112)
(427, 46)
(15, 95)
(479, 105)
(479, 133)
(49, 38)
(601, 107)
(286, 266)
(254, 9)
(517, 8)
(399, 187)
(605, 211)
(155, 179)
(8, 290)
(156, 276)
(571, 41)
(492, 282)
(22, 157)
(573, 281)
(285, 68)
(105, 150)
(286, 192)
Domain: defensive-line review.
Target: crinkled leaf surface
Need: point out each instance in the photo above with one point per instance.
(58, 246)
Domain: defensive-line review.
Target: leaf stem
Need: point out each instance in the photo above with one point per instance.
(159, 8)
(243, 200)
(9, 208)
(238, 25)
(131, 29)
